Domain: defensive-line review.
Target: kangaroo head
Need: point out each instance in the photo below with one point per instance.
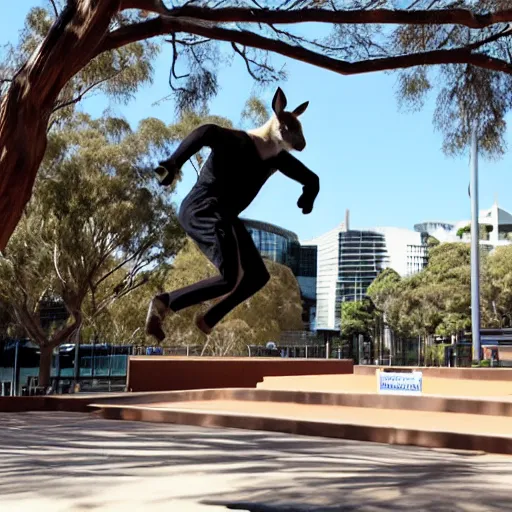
(287, 128)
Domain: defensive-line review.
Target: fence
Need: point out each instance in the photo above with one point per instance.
(294, 351)
(100, 372)
(96, 373)
(184, 350)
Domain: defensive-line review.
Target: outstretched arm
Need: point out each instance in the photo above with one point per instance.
(206, 135)
(296, 170)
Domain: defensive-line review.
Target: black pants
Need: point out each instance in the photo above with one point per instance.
(227, 244)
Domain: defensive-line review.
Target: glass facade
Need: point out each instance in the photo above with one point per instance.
(283, 247)
(275, 243)
(362, 256)
(350, 260)
(307, 261)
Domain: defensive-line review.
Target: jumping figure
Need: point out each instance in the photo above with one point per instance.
(239, 164)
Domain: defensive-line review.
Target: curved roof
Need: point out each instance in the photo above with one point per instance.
(271, 228)
(433, 224)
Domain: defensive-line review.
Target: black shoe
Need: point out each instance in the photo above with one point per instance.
(202, 325)
(156, 314)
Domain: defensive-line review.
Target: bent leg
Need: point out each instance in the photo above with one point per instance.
(255, 276)
(226, 259)
(218, 241)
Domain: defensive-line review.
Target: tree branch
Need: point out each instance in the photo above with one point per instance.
(55, 8)
(166, 25)
(56, 264)
(67, 331)
(156, 6)
(491, 39)
(260, 65)
(459, 16)
(27, 321)
(107, 301)
(80, 97)
(119, 266)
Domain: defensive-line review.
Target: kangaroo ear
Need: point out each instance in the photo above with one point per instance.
(301, 109)
(279, 102)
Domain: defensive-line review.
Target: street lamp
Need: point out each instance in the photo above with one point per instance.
(475, 247)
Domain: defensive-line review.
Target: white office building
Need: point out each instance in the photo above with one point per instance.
(498, 223)
(349, 260)
(327, 276)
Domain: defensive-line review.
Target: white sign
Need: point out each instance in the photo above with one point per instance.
(397, 383)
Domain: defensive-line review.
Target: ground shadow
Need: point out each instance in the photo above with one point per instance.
(88, 463)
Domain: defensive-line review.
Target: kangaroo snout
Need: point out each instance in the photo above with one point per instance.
(299, 146)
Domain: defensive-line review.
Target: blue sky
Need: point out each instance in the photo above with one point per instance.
(387, 167)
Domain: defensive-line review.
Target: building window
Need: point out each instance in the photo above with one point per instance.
(362, 256)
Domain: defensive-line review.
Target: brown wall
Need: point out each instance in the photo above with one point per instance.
(21, 404)
(160, 373)
(443, 372)
(45, 403)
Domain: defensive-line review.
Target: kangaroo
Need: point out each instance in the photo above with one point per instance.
(283, 131)
(239, 165)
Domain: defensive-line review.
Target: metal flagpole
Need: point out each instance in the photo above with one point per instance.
(475, 248)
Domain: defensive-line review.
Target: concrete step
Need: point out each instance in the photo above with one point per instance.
(447, 430)
(437, 384)
(488, 406)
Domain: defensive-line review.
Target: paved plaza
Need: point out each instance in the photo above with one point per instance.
(64, 462)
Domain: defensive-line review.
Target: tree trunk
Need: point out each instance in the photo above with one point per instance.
(26, 108)
(45, 366)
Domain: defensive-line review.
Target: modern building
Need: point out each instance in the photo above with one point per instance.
(283, 246)
(274, 243)
(497, 221)
(349, 260)
(341, 264)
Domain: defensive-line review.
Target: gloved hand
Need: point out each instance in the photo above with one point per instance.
(305, 202)
(167, 172)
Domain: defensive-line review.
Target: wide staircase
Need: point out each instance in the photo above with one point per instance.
(462, 413)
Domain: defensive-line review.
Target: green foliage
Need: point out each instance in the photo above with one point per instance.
(99, 232)
(95, 226)
(483, 229)
(122, 322)
(117, 74)
(358, 318)
(6, 320)
(255, 111)
(435, 355)
(485, 363)
(464, 92)
(434, 301)
(438, 299)
(384, 292)
(432, 242)
(381, 286)
(98, 229)
(275, 308)
(497, 288)
(463, 231)
(189, 120)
